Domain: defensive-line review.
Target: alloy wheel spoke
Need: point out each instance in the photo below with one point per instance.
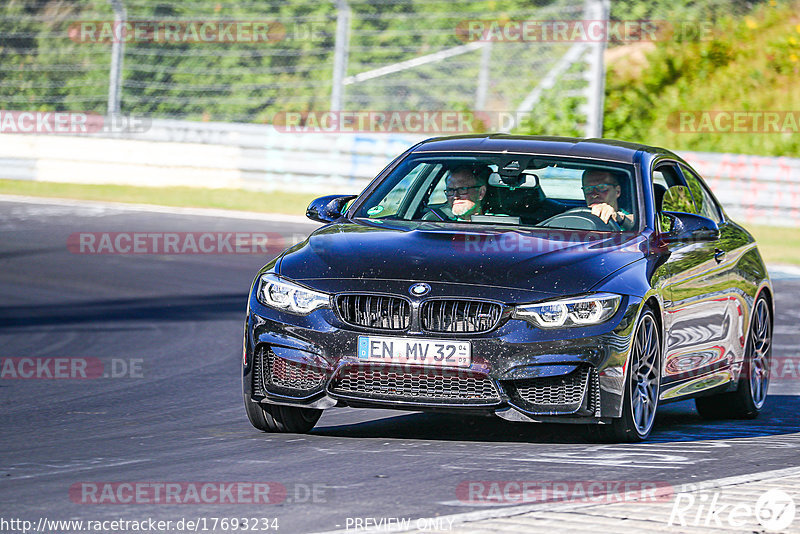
(763, 319)
(637, 412)
(651, 393)
(644, 358)
(762, 344)
(759, 352)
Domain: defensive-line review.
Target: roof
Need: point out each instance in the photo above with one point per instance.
(608, 149)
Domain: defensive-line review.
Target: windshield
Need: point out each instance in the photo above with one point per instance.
(507, 189)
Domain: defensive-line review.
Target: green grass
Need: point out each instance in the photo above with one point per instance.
(188, 197)
(777, 245)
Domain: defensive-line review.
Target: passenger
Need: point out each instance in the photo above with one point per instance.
(602, 191)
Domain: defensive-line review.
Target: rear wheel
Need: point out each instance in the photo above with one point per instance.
(641, 385)
(748, 399)
(274, 418)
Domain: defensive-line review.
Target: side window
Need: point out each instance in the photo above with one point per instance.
(437, 195)
(659, 179)
(665, 176)
(390, 204)
(706, 206)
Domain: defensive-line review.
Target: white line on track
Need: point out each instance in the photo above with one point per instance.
(509, 511)
(58, 470)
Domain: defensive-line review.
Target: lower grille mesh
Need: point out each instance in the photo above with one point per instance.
(559, 394)
(445, 386)
(271, 370)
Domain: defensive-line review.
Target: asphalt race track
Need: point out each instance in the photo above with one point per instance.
(165, 404)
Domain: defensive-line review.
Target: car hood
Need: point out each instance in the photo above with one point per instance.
(548, 261)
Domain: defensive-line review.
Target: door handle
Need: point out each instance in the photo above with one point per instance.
(719, 255)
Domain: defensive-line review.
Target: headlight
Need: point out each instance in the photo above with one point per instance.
(578, 311)
(282, 294)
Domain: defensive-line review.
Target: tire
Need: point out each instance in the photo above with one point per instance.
(642, 385)
(751, 394)
(274, 418)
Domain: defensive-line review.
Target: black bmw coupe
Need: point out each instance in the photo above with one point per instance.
(533, 278)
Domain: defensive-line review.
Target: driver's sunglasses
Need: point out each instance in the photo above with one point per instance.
(600, 188)
(453, 191)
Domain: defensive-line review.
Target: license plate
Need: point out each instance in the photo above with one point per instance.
(430, 352)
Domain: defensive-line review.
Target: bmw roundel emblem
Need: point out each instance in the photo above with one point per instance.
(419, 290)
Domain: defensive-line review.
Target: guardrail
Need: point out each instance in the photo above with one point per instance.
(175, 153)
(754, 189)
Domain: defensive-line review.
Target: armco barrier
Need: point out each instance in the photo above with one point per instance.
(754, 189)
(173, 153)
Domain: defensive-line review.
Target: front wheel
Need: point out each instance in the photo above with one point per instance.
(748, 399)
(641, 385)
(274, 418)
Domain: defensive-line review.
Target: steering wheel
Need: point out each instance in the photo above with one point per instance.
(580, 219)
(437, 212)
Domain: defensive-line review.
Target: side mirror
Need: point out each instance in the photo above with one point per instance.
(684, 227)
(328, 208)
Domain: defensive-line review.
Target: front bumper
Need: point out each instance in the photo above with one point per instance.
(518, 372)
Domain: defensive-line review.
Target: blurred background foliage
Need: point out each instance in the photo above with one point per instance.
(749, 62)
(46, 67)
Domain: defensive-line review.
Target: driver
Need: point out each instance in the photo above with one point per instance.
(465, 189)
(602, 190)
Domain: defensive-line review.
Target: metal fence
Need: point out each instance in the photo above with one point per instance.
(245, 61)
